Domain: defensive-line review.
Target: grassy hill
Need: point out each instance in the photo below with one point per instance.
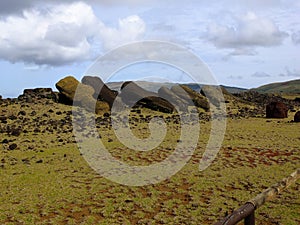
(292, 86)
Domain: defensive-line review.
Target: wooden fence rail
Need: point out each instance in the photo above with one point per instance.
(247, 211)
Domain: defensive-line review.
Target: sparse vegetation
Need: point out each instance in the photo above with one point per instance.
(45, 180)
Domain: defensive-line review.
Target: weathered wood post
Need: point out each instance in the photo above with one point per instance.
(247, 211)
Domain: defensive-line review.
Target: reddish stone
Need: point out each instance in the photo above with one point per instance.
(276, 110)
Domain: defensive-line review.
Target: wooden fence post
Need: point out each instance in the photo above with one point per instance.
(247, 211)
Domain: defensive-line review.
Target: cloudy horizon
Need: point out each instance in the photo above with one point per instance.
(245, 43)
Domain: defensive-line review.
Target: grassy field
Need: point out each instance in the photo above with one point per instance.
(45, 180)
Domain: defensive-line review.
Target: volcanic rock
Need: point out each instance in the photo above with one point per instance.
(171, 97)
(276, 110)
(102, 91)
(134, 95)
(214, 94)
(12, 146)
(69, 86)
(297, 117)
(198, 99)
(38, 93)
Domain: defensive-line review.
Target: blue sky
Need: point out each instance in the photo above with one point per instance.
(245, 43)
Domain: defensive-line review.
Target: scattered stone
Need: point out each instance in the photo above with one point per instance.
(5, 141)
(13, 146)
(33, 113)
(16, 132)
(3, 119)
(12, 117)
(36, 130)
(26, 161)
(22, 113)
(106, 115)
(39, 161)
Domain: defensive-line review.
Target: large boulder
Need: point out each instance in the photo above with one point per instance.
(84, 95)
(134, 95)
(102, 91)
(216, 95)
(174, 99)
(276, 110)
(198, 99)
(297, 117)
(67, 88)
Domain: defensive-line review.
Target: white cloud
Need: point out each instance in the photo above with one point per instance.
(249, 30)
(17, 6)
(130, 29)
(61, 34)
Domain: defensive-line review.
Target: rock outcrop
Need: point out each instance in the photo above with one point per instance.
(29, 95)
(173, 98)
(276, 110)
(198, 99)
(69, 86)
(102, 91)
(297, 117)
(132, 94)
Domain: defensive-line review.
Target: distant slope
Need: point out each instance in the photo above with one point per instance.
(153, 86)
(292, 86)
(234, 90)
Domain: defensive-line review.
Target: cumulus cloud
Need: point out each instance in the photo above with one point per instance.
(129, 29)
(13, 6)
(61, 34)
(249, 30)
(17, 6)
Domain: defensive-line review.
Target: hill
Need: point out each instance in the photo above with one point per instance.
(154, 86)
(292, 86)
(234, 90)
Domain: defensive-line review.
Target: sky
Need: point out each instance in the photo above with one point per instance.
(245, 43)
